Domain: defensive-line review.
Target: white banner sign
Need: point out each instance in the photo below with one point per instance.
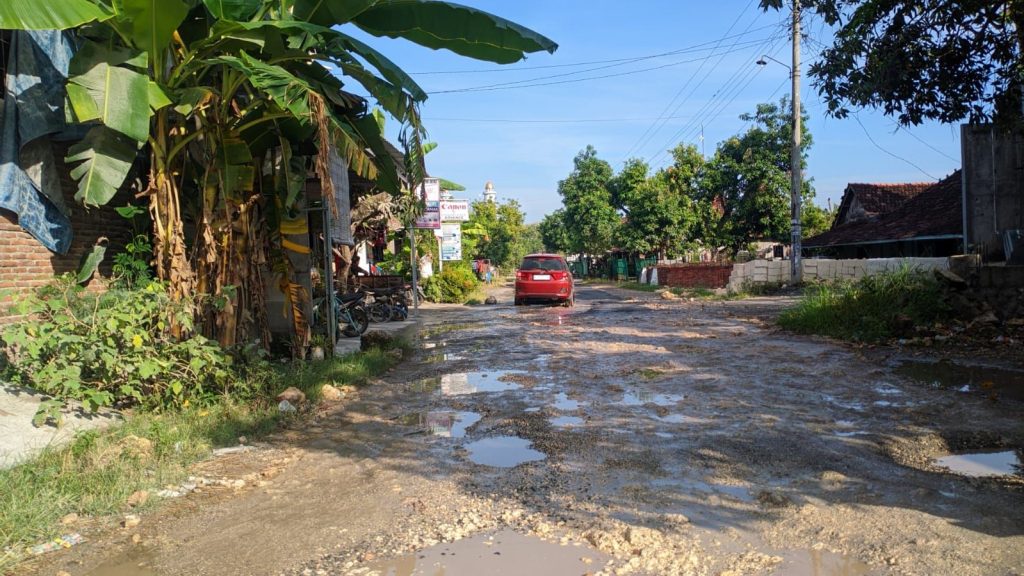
(430, 193)
(454, 210)
(451, 241)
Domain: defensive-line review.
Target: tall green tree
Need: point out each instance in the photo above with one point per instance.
(658, 209)
(944, 60)
(553, 232)
(591, 220)
(499, 233)
(749, 176)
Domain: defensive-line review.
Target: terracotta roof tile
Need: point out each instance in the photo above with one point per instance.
(935, 210)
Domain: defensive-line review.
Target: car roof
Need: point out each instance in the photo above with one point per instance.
(543, 255)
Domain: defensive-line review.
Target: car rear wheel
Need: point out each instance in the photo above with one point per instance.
(519, 301)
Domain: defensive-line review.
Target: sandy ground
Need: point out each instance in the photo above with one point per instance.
(626, 435)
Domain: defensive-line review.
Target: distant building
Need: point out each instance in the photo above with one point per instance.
(489, 194)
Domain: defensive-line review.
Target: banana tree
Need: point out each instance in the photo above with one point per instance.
(228, 98)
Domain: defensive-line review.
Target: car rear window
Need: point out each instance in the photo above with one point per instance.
(543, 264)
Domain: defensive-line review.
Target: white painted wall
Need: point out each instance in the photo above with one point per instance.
(777, 271)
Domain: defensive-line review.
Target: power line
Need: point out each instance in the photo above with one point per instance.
(896, 156)
(692, 48)
(548, 121)
(657, 125)
(766, 46)
(527, 83)
(736, 83)
(915, 137)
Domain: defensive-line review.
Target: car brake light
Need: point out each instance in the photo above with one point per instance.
(522, 275)
(558, 275)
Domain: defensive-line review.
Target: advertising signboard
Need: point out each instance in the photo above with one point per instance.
(454, 210)
(430, 193)
(451, 241)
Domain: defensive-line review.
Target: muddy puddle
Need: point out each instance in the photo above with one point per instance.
(965, 378)
(500, 554)
(637, 397)
(563, 402)
(442, 423)
(566, 421)
(822, 563)
(982, 464)
(462, 383)
(136, 562)
(503, 451)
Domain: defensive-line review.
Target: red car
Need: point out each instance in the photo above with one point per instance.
(544, 277)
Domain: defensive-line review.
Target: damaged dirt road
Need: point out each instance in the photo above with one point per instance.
(625, 435)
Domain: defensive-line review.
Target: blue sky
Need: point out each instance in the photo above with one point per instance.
(524, 139)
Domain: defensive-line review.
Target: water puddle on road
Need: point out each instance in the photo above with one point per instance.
(640, 397)
(562, 402)
(503, 553)
(134, 562)
(503, 451)
(446, 424)
(823, 563)
(965, 378)
(461, 383)
(565, 421)
(982, 464)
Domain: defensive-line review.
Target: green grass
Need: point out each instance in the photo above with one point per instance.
(872, 309)
(698, 293)
(95, 474)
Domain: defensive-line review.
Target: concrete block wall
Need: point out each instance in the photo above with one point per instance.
(777, 271)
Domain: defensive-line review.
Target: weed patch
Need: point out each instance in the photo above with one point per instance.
(872, 309)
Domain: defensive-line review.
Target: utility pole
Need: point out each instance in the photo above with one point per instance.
(796, 270)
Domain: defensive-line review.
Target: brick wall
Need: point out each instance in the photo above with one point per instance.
(24, 262)
(695, 275)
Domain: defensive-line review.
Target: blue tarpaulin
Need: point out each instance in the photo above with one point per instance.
(33, 112)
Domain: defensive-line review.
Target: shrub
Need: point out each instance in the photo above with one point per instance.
(871, 309)
(111, 348)
(453, 285)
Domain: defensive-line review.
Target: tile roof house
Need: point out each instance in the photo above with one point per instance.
(895, 220)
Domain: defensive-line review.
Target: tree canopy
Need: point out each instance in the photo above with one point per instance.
(945, 60)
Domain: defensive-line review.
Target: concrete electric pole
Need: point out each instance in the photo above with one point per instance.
(796, 270)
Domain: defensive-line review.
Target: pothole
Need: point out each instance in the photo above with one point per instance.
(982, 464)
(965, 378)
(462, 383)
(503, 451)
(446, 424)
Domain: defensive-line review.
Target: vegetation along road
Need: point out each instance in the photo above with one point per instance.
(628, 434)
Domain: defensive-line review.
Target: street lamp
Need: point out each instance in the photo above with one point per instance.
(795, 268)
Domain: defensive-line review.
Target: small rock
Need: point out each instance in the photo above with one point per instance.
(138, 498)
(286, 406)
(330, 393)
(491, 300)
(242, 439)
(292, 395)
(136, 538)
(69, 519)
(131, 521)
(985, 319)
(667, 295)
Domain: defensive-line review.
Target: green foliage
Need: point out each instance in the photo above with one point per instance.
(750, 175)
(553, 232)
(871, 309)
(496, 231)
(942, 60)
(814, 219)
(591, 220)
(453, 285)
(660, 209)
(112, 348)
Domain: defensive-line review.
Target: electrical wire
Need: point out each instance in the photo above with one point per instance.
(659, 124)
(693, 48)
(546, 121)
(527, 83)
(894, 155)
(767, 46)
(916, 137)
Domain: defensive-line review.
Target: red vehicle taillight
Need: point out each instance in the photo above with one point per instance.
(558, 275)
(522, 275)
